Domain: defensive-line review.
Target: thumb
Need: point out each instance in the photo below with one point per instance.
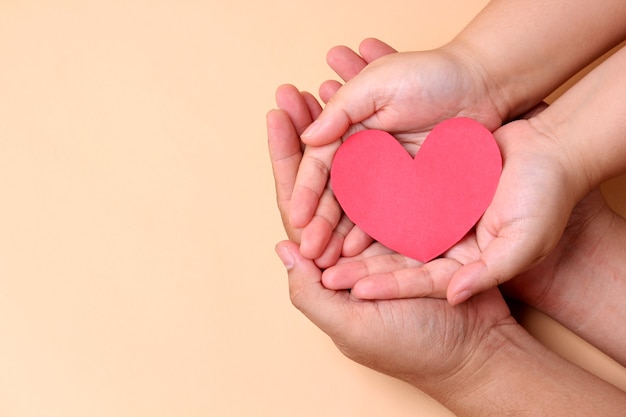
(325, 308)
(351, 104)
(502, 259)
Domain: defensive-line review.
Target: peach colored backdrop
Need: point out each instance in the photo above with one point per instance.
(137, 272)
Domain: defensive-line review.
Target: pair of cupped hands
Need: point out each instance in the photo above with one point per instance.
(383, 309)
(407, 98)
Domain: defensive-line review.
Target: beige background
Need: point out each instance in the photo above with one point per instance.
(137, 223)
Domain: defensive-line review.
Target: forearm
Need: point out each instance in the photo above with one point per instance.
(583, 284)
(589, 124)
(596, 311)
(526, 49)
(521, 377)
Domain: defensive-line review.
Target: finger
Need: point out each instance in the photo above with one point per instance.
(503, 258)
(326, 308)
(296, 105)
(333, 254)
(372, 49)
(346, 107)
(428, 280)
(356, 101)
(346, 275)
(311, 182)
(328, 89)
(355, 242)
(333, 249)
(285, 155)
(345, 62)
(317, 233)
(312, 176)
(314, 106)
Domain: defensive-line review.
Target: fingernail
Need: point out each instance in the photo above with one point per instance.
(461, 297)
(285, 257)
(310, 131)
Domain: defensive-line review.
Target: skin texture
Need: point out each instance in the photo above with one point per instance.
(496, 69)
(546, 172)
(474, 358)
(549, 165)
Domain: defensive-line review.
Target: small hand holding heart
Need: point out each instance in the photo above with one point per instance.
(419, 207)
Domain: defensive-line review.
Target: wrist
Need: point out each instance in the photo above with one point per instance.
(590, 277)
(588, 122)
(489, 88)
(526, 56)
(492, 379)
(553, 138)
(513, 373)
(513, 91)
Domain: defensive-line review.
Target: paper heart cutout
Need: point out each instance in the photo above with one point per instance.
(419, 207)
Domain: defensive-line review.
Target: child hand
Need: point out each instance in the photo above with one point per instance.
(528, 215)
(403, 93)
(519, 229)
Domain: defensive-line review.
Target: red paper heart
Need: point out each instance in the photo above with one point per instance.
(418, 207)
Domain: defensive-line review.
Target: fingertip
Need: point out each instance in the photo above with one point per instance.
(463, 284)
(330, 125)
(285, 254)
(473, 279)
(283, 91)
(335, 54)
(298, 267)
(272, 117)
(368, 41)
(329, 279)
(313, 242)
(311, 131)
(296, 220)
(373, 48)
(460, 297)
(328, 89)
(331, 253)
(342, 277)
(315, 109)
(366, 289)
(355, 242)
(285, 87)
(380, 287)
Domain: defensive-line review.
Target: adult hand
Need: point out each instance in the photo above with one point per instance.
(473, 358)
(330, 228)
(424, 341)
(582, 283)
(313, 208)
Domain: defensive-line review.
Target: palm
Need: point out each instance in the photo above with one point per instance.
(419, 89)
(528, 214)
(440, 89)
(413, 327)
(520, 220)
(398, 337)
(542, 285)
(400, 317)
